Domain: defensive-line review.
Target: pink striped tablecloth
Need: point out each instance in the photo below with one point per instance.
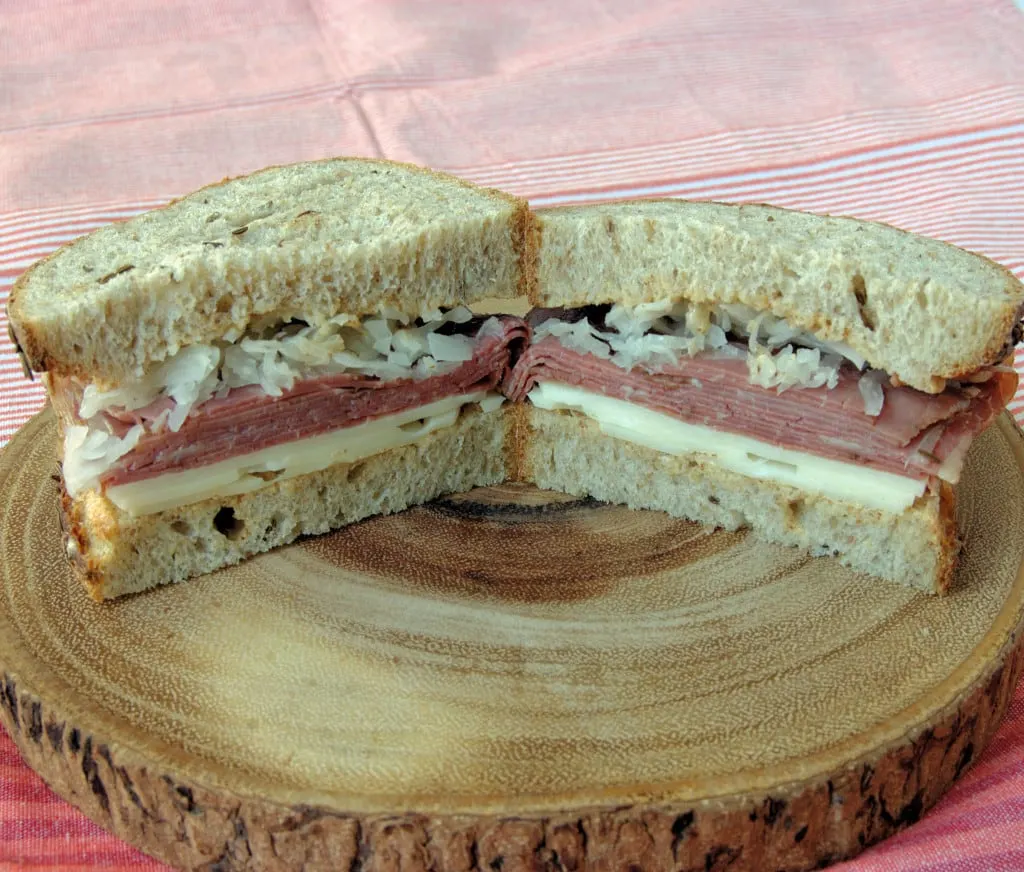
(906, 111)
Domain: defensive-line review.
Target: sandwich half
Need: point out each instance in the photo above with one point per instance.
(276, 355)
(818, 380)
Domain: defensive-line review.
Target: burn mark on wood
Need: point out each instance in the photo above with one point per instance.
(866, 775)
(680, 825)
(966, 756)
(91, 771)
(10, 700)
(772, 809)
(868, 808)
(129, 787)
(35, 722)
(909, 814)
(721, 857)
(181, 797)
(55, 733)
(242, 832)
(187, 797)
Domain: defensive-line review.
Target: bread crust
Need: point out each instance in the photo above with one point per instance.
(526, 240)
(534, 293)
(517, 434)
(76, 540)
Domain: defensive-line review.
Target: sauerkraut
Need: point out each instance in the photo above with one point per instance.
(778, 355)
(388, 346)
(89, 452)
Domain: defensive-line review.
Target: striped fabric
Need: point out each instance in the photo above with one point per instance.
(906, 111)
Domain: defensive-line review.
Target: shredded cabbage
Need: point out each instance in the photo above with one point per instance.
(89, 452)
(793, 367)
(870, 385)
(778, 355)
(788, 367)
(651, 333)
(383, 346)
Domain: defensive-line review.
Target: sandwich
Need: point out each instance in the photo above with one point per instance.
(818, 380)
(289, 352)
(277, 355)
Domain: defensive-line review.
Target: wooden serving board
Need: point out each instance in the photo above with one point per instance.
(509, 680)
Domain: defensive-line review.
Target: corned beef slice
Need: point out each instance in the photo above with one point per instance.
(713, 390)
(248, 420)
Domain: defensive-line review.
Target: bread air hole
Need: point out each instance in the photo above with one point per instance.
(182, 528)
(860, 293)
(225, 523)
(793, 511)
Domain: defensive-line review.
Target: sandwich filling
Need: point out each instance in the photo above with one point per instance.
(786, 401)
(228, 410)
(731, 386)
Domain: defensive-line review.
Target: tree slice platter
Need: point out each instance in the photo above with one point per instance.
(510, 680)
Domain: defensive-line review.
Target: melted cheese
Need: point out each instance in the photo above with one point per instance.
(249, 472)
(751, 457)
